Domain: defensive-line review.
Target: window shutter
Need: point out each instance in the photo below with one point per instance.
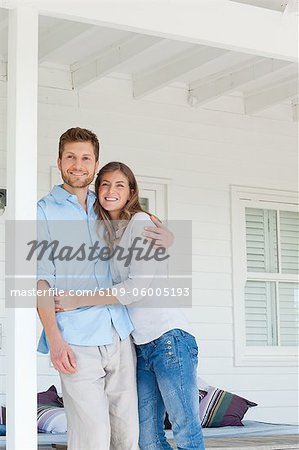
(261, 240)
(288, 313)
(260, 312)
(289, 241)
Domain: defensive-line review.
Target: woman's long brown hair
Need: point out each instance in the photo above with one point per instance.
(132, 207)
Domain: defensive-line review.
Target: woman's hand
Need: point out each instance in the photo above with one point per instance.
(66, 302)
(162, 236)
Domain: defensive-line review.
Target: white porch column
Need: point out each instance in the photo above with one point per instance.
(21, 205)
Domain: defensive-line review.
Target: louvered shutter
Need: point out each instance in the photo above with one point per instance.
(259, 311)
(288, 313)
(271, 307)
(289, 292)
(289, 241)
(261, 240)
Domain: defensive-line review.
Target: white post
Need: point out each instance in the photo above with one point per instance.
(21, 205)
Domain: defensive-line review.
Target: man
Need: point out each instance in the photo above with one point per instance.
(90, 347)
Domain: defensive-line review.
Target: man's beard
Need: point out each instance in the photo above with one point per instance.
(69, 180)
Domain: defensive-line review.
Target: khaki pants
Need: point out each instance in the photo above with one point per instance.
(101, 398)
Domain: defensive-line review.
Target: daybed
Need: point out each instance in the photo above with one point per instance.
(252, 436)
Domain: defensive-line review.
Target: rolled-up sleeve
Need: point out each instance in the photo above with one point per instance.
(46, 270)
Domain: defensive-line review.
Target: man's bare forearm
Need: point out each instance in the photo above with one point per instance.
(46, 311)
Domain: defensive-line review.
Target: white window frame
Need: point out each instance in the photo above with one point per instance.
(242, 197)
(156, 191)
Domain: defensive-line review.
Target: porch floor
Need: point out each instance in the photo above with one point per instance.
(290, 442)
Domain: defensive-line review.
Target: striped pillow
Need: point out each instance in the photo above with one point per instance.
(2, 415)
(220, 408)
(51, 419)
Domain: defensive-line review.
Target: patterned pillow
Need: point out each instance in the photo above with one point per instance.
(51, 419)
(167, 424)
(220, 408)
(51, 416)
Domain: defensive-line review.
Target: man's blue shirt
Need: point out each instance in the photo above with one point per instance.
(75, 266)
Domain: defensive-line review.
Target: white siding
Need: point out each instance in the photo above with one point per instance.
(202, 151)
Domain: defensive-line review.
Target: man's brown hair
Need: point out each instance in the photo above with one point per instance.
(79, 135)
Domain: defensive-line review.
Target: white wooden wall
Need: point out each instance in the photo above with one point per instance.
(202, 151)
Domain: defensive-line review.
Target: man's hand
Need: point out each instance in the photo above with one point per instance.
(160, 233)
(62, 356)
(66, 302)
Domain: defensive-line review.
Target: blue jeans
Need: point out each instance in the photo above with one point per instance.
(167, 380)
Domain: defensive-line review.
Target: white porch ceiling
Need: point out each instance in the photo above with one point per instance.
(276, 5)
(89, 52)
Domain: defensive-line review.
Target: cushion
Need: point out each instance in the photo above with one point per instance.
(218, 408)
(221, 408)
(167, 424)
(51, 419)
(3, 415)
(51, 416)
(49, 397)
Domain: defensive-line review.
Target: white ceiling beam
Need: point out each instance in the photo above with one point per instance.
(292, 7)
(88, 71)
(60, 35)
(217, 23)
(232, 79)
(52, 76)
(157, 77)
(259, 101)
(277, 5)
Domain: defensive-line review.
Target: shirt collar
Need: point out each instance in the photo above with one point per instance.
(61, 195)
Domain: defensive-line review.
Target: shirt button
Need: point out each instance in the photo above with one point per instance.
(168, 342)
(169, 347)
(170, 353)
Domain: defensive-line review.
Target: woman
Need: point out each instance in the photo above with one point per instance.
(166, 351)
